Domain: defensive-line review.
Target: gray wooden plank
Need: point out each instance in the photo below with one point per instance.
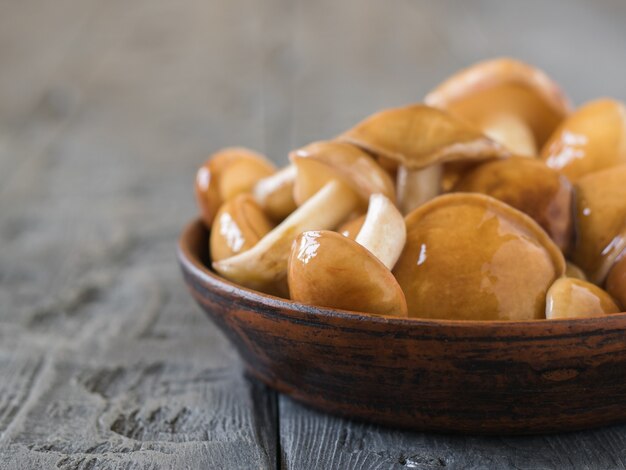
(310, 439)
(106, 361)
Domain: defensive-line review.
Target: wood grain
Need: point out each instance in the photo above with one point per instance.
(105, 361)
(334, 443)
(107, 107)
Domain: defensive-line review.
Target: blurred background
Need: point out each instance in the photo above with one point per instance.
(106, 110)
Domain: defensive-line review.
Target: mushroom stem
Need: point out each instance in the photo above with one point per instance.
(513, 133)
(383, 232)
(275, 193)
(415, 187)
(264, 266)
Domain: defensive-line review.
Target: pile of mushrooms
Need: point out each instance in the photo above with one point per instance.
(491, 200)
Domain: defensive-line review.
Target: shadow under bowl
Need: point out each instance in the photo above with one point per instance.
(463, 376)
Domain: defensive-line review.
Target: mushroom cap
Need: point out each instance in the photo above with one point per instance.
(503, 87)
(352, 227)
(226, 173)
(471, 257)
(330, 270)
(264, 266)
(417, 136)
(616, 280)
(321, 162)
(592, 138)
(574, 298)
(238, 225)
(600, 221)
(531, 187)
(573, 271)
(275, 193)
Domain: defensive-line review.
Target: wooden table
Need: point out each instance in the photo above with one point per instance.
(106, 109)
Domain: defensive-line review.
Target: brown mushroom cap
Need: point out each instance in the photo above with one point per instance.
(238, 226)
(573, 271)
(330, 270)
(321, 162)
(275, 193)
(225, 174)
(264, 266)
(531, 187)
(590, 139)
(503, 87)
(417, 136)
(574, 298)
(616, 280)
(352, 227)
(600, 221)
(471, 257)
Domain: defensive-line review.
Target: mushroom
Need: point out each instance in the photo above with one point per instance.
(600, 221)
(238, 225)
(590, 139)
(574, 298)
(512, 102)
(420, 139)
(383, 232)
(415, 187)
(275, 193)
(225, 174)
(264, 266)
(573, 271)
(616, 280)
(351, 228)
(320, 162)
(331, 270)
(333, 180)
(469, 256)
(531, 187)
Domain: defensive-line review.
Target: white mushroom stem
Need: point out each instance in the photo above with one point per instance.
(266, 262)
(513, 133)
(383, 232)
(415, 187)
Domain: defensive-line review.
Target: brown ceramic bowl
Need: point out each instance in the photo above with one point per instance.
(464, 376)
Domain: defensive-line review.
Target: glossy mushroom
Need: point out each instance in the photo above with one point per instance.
(573, 271)
(600, 221)
(512, 102)
(616, 280)
(590, 139)
(530, 186)
(275, 193)
(264, 266)
(331, 270)
(415, 187)
(383, 232)
(574, 298)
(333, 180)
(321, 162)
(352, 227)
(471, 257)
(420, 139)
(238, 225)
(225, 174)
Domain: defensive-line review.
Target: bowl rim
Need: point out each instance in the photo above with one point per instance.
(190, 260)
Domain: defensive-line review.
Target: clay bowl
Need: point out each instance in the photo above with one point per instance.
(463, 376)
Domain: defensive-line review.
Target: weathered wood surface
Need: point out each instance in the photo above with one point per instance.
(107, 107)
